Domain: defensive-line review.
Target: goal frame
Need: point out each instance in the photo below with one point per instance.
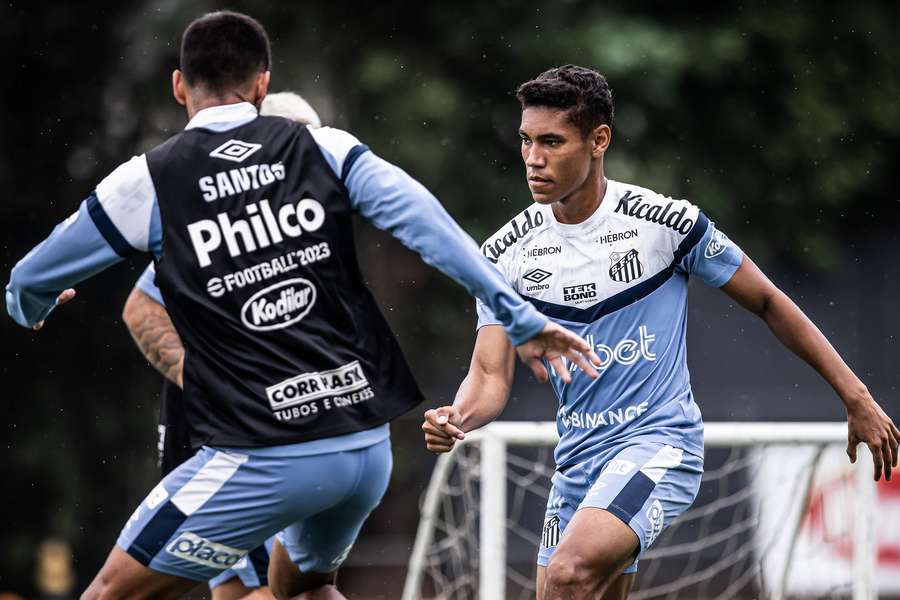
(495, 437)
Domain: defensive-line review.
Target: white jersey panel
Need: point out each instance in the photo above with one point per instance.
(127, 196)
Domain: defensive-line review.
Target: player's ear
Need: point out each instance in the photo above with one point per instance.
(600, 139)
(178, 90)
(262, 87)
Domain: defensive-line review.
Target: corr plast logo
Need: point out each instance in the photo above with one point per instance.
(235, 150)
(279, 305)
(192, 547)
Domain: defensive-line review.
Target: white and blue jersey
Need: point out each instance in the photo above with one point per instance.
(631, 441)
(619, 279)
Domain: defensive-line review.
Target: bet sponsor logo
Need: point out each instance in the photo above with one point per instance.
(192, 547)
(279, 306)
(619, 466)
(235, 150)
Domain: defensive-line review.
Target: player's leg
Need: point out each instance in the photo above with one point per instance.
(247, 580)
(594, 551)
(124, 577)
(632, 499)
(305, 560)
(618, 590)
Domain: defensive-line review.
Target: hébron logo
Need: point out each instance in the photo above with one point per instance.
(192, 547)
(235, 150)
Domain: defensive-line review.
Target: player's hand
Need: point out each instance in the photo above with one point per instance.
(867, 424)
(61, 299)
(553, 343)
(441, 428)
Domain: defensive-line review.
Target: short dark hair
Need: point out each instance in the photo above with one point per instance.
(223, 50)
(582, 92)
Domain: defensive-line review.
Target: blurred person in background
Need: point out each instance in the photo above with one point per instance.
(611, 261)
(292, 421)
(151, 328)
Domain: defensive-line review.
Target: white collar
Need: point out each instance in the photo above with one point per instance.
(223, 114)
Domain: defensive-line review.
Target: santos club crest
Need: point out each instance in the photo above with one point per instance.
(625, 266)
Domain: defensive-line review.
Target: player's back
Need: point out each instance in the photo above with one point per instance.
(258, 270)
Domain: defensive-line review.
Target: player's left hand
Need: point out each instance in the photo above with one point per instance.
(61, 299)
(553, 343)
(868, 424)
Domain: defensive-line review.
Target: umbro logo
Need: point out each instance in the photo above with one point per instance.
(235, 150)
(536, 275)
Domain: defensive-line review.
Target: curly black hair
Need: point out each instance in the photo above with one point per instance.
(582, 92)
(223, 50)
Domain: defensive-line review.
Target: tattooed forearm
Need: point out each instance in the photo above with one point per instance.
(153, 332)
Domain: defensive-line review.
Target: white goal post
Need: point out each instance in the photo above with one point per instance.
(490, 472)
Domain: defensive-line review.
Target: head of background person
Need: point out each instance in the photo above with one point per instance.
(290, 106)
(567, 113)
(225, 59)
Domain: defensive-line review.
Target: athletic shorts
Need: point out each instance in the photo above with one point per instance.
(252, 570)
(210, 512)
(646, 485)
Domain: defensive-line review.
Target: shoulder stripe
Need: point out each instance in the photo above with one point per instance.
(629, 296)
(355, 153)
(106, 227)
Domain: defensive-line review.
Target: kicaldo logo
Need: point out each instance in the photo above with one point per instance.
(261, 229)
(192, 547)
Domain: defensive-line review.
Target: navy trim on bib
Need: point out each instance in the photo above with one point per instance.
(631, 295)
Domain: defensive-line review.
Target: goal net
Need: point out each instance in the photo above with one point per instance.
(780, 514)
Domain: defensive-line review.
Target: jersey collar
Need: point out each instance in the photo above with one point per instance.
(223, 117)
(592, 222)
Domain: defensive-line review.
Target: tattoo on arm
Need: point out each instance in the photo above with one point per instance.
(155, 336)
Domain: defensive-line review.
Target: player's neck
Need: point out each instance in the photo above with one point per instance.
(195, 105)
(582, 203)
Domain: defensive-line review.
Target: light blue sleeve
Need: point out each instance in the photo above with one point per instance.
(393, 201)
(119, 218)
(147, 284)
(715, 258)
(74, 251)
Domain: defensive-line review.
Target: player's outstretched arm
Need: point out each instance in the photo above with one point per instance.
(482, 395)
(153, 332)
(867, 423)
(392, 200)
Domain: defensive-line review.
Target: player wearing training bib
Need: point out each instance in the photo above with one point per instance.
(291, 373)
(611, 261)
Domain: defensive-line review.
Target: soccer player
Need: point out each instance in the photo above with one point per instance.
(148, 322)
(291, 374)
(611, 260)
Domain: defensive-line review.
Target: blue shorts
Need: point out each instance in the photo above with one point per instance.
(211, 511)
(646, 485)
(252, 570)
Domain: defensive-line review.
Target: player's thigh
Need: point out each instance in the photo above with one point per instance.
(247, 579)
(318, 544)
(208, 514)
(124, 577)
(596, 546)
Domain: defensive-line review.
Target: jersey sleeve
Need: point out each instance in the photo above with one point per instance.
(147, 284)
(395, 202)
(714, 258)
(119, 218)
